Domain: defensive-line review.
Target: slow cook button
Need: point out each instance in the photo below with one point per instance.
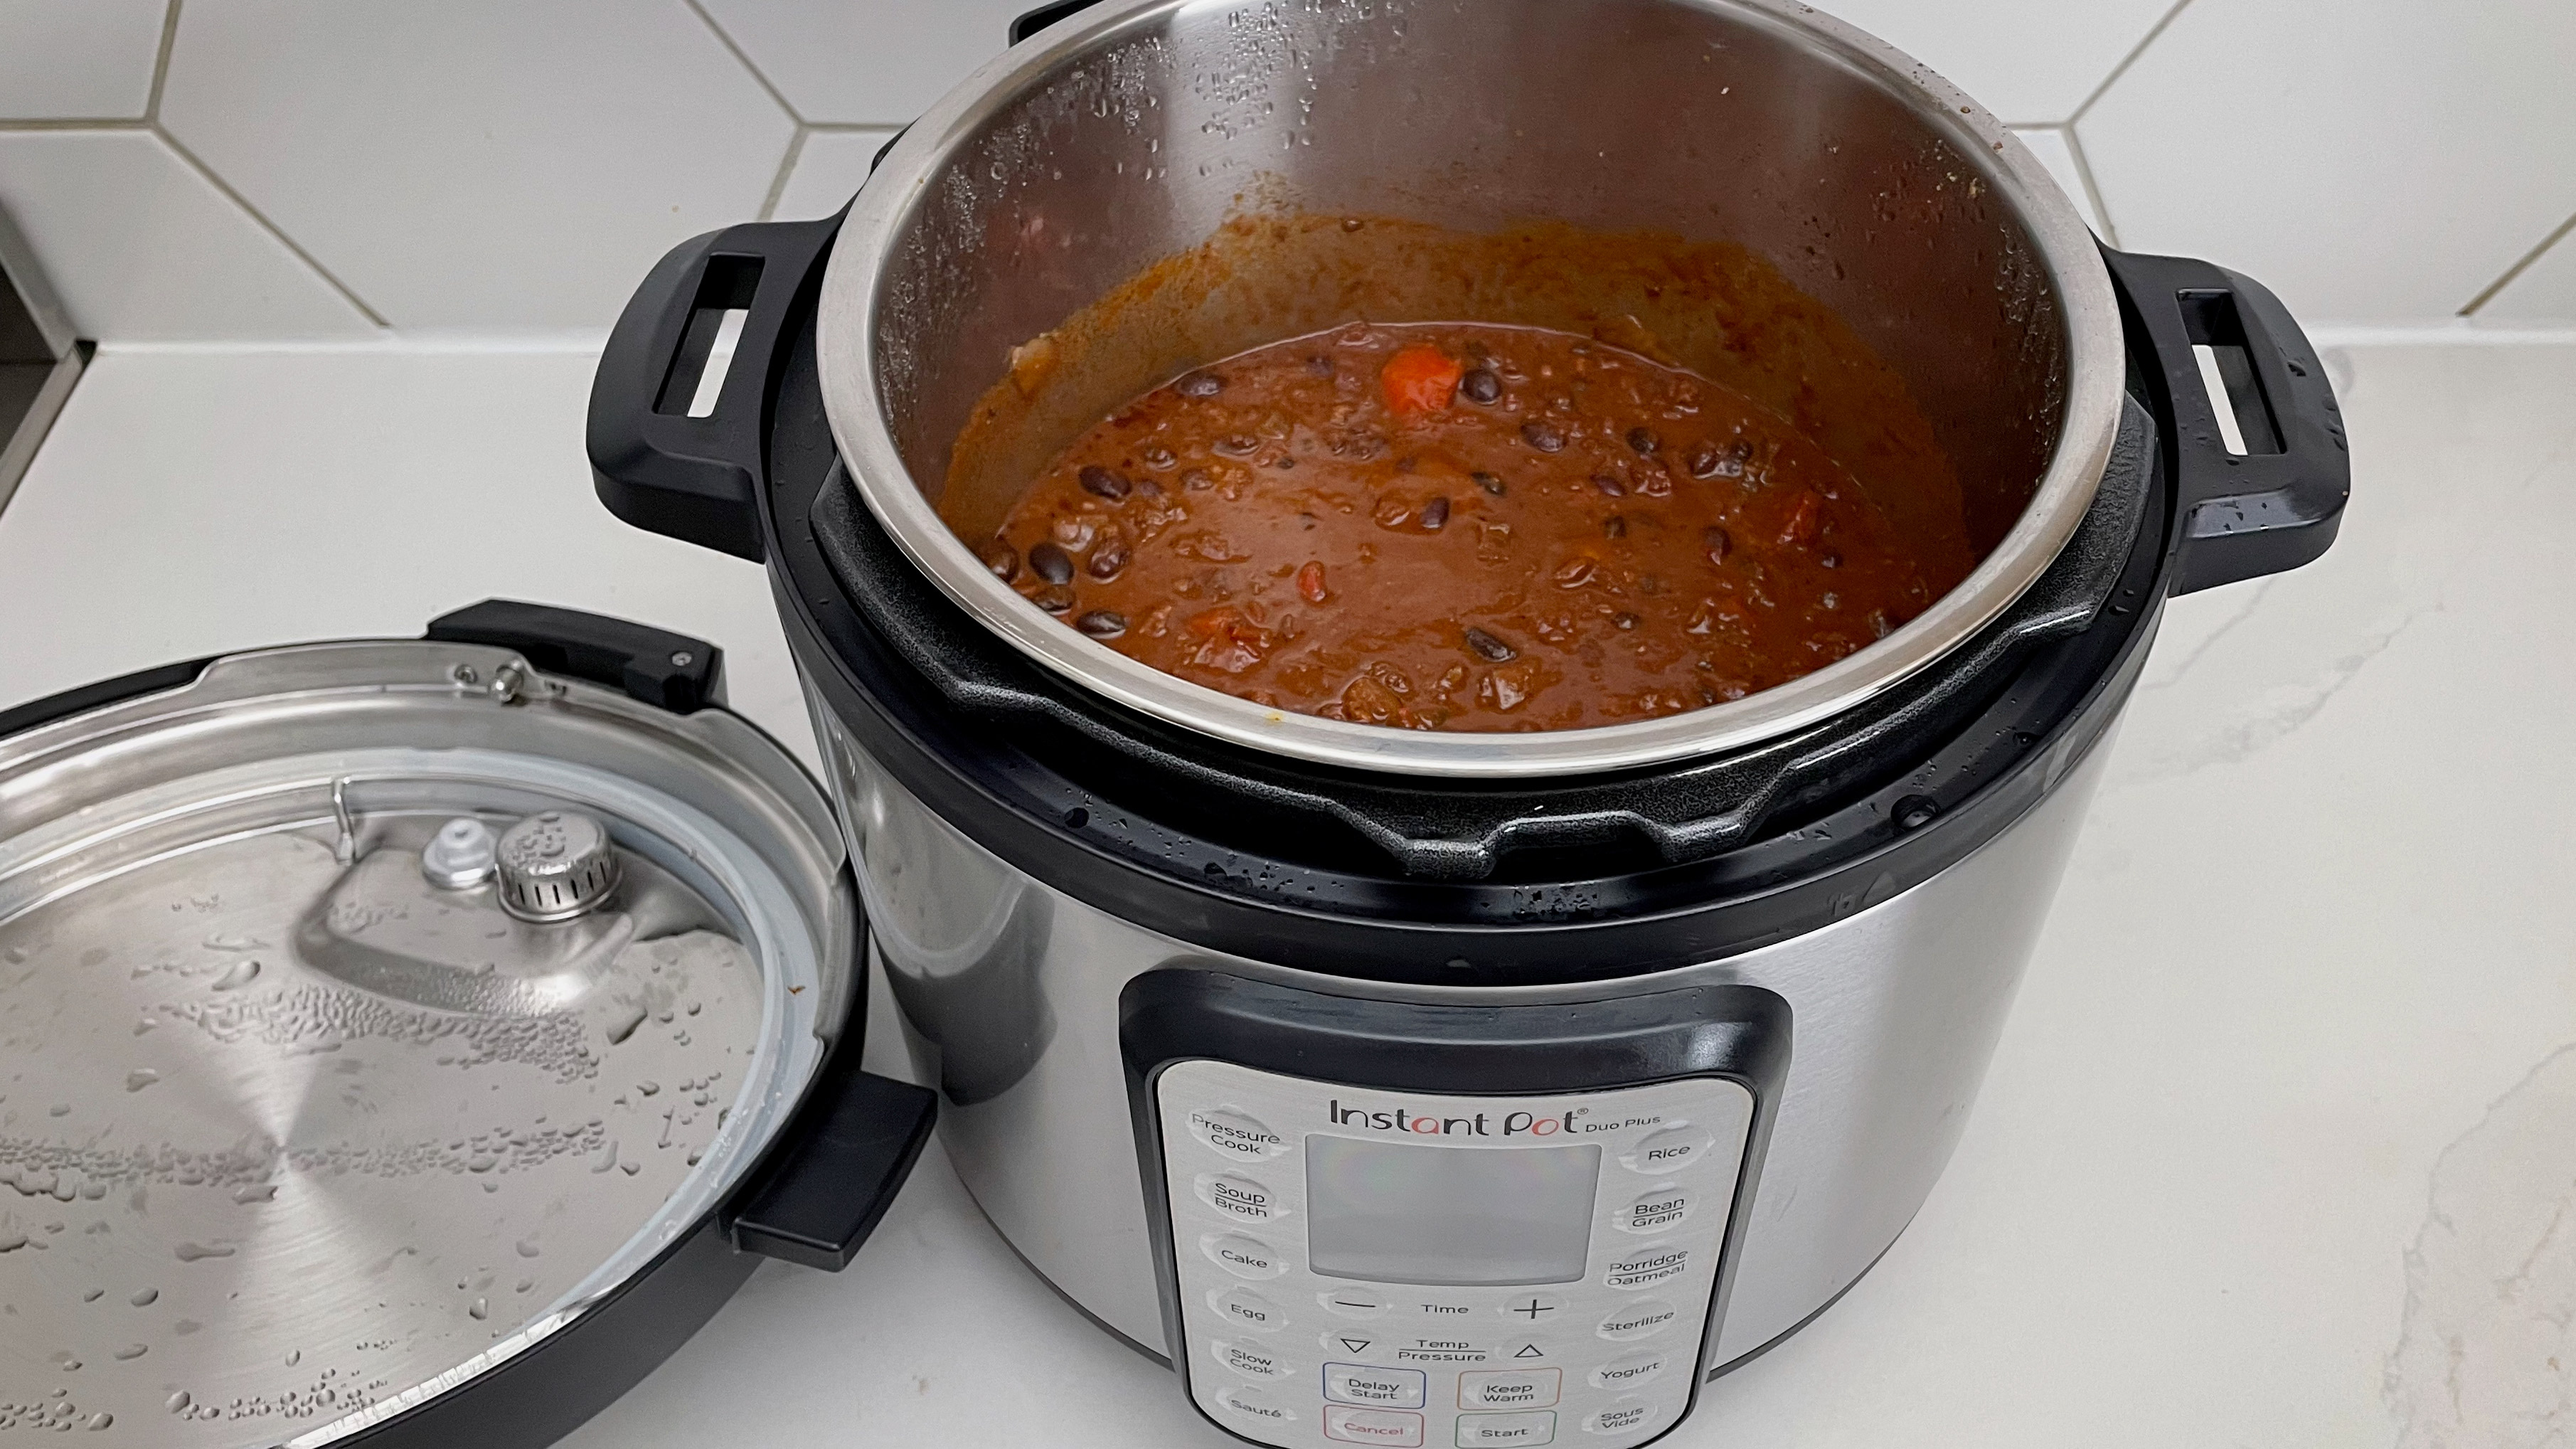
(1252, 1360)
(1534, 1428)
(1670, 1150)
(1256, 1406)
(1244, 1257)
(1244, 1308)
(1657, 1208)
(1644, 1266)
(1360, 1383)
(1642, 1319)
(1237, 1134)
(1372, 1426)
(1509, 1389)
(1238, 1196)
(1620, 1418)
(1630, 1370)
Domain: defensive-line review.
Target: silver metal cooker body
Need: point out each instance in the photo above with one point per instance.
(1010, 993)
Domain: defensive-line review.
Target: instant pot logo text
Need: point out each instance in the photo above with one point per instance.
(1478, 1124)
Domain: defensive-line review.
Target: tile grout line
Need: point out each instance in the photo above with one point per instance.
(726, 40)
(2518, 268)
(78, 123)
(161, 63)
(786, 168)
(254, 213)
(2092, 188)
(2126, 61)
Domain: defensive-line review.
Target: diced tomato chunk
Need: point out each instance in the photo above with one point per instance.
(1420, 380)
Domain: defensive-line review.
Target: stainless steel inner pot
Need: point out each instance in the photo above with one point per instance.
(1134, 133)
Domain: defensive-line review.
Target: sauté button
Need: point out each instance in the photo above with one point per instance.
(1644, 1266)
(1642, 1319)
(1252, 1360)
(1244, 1257)
(1246, 1309)
(1360, 1383)
(1354, 1302)
(1675, 1147)
(1238, 1196)
(1657, 1208)
(1533, 1428)
(1509, 1388)
(1256, 1405)
(1630, 1370)
(1620, 1417)
(1236, 1134)
(1372, 1426)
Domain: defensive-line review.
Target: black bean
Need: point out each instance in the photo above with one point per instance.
(1710, 461)
(1435, 514)
(1107, 560)
(1543, 436)
(1489, 483)
(1004, 561)
(1107, 483)
(1102, 623)
(1644, 440)
(1055, 598)
(1052, 563)
(1609, 485)
(1716, 542)
(1200, 384)
(1319, 366)
(1614, 527)
(1479, 385)
(1493, 649)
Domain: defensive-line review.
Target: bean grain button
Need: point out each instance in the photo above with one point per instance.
(1657, 1208)
(1244, 1257)
(1629, 1370)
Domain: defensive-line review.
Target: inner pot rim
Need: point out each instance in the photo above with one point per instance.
(850, 311)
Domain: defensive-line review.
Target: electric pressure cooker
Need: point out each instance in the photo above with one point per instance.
(1391, 1087)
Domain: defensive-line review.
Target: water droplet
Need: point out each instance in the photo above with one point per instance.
(59, 1109)
(479, 1311)
(647, 1088)
(191, 1252)
(145, 1297)
(527, 1247)
(101, 1420)
(132, 1351)
(242, 974)
(630, 1168)
(257, 1192)
(11, 1240)
(64, 1361)
(295, 1357)
(178, 1402)
(140, 1078)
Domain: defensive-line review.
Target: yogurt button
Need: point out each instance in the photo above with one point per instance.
(1243, 1308)
(1630, 1370)
(1238, 1196)
(1675, 1147)
(1621, 1417)
(1642, 1319)
(1236, 1134)
(1256, 1405)
(1657, 1208)
(1243, 1256)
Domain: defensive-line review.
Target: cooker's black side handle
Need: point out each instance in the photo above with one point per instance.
(838, 1165)
(673, 671)
(1044, 16)
(2276, 505)
(695, 478)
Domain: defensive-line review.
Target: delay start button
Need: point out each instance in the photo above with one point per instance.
(1236, 1134)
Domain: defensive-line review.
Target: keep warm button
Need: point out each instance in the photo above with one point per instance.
(1647, 1266)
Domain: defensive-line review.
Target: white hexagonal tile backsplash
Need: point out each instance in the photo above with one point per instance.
(867, 62)
(78, 59)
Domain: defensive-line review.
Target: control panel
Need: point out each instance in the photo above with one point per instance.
(1362, 1266)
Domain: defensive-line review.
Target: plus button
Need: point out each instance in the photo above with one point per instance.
(1533, 1308)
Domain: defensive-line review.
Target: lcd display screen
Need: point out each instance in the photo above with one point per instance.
(1399, 1212)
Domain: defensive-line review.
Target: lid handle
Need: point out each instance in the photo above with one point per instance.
(838, 1166)
(666, 670)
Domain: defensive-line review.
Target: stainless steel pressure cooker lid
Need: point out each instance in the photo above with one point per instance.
(368, 1013)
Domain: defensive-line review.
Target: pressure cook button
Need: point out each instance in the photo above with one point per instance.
(1354, 1302)
(1657, 1208)
(1669, 1150)
(1244, 1308)
(1244, 1257)
(1372, 1426)
(1644, 1266)
(1237, 1196)
(1620, 1418)
(1252, 1360)
(1509, 1389)
(1256, 1405)
(1642, 1319)
(1360, 1383)
(1630, 1370)
(1531, 1428)
(1236, 1134)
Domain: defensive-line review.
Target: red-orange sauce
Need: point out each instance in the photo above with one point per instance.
(1462, 526)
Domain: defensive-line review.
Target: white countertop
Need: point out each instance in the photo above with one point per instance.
(2280, 1144)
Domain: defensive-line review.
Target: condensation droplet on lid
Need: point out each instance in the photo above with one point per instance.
(178, 1402)
(256, 1192)
(131, 1352)
(145, 1297)
(140, 1078)
(479, 1311)
(101, 1420)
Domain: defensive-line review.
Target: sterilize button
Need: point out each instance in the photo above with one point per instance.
(1670, 1150)
(1373, 1426)
(1246, 1309)
(1236, 1134)
(1644, 1266)
(1643, 1319)
(1252, 1360)
(1354, 1302)
(1238, 1196)
(1509, 1389)
(1256, 1405)
(1532, 1308)
(1631, 1370)
(1244, 1257)
(1653, 1210)
(1360, 1383)
(1620, 1417)
(1531, 1428)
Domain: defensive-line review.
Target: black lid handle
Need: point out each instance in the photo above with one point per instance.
(2275, 505)
(656, 465)
(838, 1165)
(1044, 16)
(673, 671)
